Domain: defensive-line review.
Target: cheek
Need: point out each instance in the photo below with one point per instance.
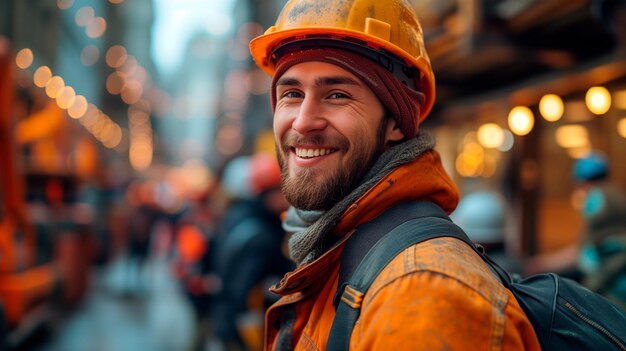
(362, 120)
(281, 125)
(360, 135)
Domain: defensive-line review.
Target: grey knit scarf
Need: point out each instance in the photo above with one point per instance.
(312, 229)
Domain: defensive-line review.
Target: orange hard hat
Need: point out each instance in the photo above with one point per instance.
(386, 31)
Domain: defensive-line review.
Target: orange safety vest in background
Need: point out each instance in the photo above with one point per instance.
(435, 295)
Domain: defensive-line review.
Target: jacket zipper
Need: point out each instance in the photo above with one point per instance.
(615, 340)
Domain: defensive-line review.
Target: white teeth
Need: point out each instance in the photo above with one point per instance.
(308, 153)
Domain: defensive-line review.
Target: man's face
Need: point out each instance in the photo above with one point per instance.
(329, 129)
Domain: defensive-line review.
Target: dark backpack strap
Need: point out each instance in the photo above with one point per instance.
(369, 233)
(376, 243)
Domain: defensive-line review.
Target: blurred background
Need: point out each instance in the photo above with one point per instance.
(135, 143)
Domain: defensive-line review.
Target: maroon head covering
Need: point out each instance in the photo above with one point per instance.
(401, 101)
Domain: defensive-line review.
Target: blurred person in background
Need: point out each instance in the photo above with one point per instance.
(194, 256)
(602, 257)
(486, 218)
(249, 251)
(137, 224)
(142, 219)
(117, 278)
(598, 258)
(351, 84)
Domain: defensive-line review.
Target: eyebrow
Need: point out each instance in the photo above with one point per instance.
(321, 81)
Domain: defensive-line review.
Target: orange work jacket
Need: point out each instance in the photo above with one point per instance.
(436, 295)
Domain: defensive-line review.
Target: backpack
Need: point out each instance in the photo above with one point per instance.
(564, 314)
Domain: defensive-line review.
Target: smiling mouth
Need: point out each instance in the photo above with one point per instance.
(310, 153)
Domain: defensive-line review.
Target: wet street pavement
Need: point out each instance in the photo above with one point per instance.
(129, 309)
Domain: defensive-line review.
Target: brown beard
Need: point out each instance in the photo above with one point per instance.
(321, 189)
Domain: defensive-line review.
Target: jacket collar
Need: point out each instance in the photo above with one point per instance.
(422, 179)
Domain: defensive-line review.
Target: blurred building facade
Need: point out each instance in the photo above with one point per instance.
(515, 104)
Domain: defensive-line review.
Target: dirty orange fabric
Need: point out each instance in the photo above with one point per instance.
(437, 295)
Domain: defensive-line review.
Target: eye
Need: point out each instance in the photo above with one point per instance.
(291, 94)
(338, 95)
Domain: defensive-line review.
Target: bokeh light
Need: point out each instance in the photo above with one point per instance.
(115, 82)
(572, 136)
(42, 76)
(140, 154)
(229, 139)
(64, 4)
(54, 87)
(521, 120)
(116, 56)
(24, 58)
(96, 27)
(508, 142)
(258, 82)
(66, 97)
(115, 138)
(78, 107)
(490, 135)
(598, 100)
(551, 107)
(131, 92)
(84, 15)
(89, 55)
(471, 162)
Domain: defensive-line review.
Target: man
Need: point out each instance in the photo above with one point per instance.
(351, 82)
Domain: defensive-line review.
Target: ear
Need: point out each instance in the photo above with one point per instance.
(393, 132)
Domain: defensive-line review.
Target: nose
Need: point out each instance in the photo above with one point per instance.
(309, 117)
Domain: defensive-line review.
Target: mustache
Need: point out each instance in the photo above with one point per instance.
(290, 140)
